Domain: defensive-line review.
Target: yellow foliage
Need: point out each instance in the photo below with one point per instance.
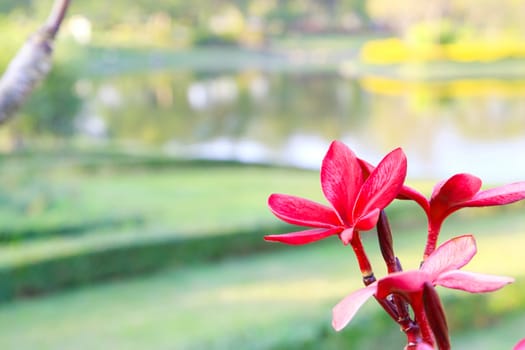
(384, 51)
(461, 88)
(395, 50)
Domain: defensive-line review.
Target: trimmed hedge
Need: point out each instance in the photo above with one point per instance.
(94, 247)
(10, 235)
(134, 258)
(95, 160)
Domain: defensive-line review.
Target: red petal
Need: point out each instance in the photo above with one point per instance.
(457, 189)
(367, 167)
(341, 178)
(401, 282)
(424, 346)
(437, 188)
(368, 221)
(343, 312)
(451, 255)
(346, 235)
(409, 193)
(300, 211)
(472, 282)
(498, 196)
(520, 345)
(303, 237)
(405, 193)
(383, 184)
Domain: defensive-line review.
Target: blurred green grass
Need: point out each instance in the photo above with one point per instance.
(188, 199)
(64, 213)
(502, 335)
(64, 203)
(275, 300)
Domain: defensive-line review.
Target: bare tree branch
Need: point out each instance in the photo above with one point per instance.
(56, 16)
(31, 64)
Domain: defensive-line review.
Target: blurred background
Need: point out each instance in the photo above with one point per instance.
(133, 184)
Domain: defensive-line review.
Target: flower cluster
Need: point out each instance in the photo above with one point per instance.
(358, 193)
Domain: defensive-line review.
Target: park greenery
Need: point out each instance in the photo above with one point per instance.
(146, 250)
(73, 220)
(217, 282)
(366, 39)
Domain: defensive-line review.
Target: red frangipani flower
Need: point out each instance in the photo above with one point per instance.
(520, 345)
(356, 199)
(462, 191)
(440, 268)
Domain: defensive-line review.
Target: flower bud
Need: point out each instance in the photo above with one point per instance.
(436, 316)
(384, 235)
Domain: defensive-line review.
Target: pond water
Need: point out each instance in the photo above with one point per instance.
(445, 127)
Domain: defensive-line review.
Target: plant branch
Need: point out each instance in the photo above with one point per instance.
(31, 64)
(56, 16)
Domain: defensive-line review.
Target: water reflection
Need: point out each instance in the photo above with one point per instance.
(290, 118)
(211, 93)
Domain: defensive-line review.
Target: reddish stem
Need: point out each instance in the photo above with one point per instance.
(362, 259)
(408, 326)
(421, 319)
(413, 336)
(368, 274)
(432, 238)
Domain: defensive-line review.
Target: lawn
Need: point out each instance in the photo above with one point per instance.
(187, 199)
(66, 203)
(66, 207)
(502, 334)
(65, 213)
(279, 299)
